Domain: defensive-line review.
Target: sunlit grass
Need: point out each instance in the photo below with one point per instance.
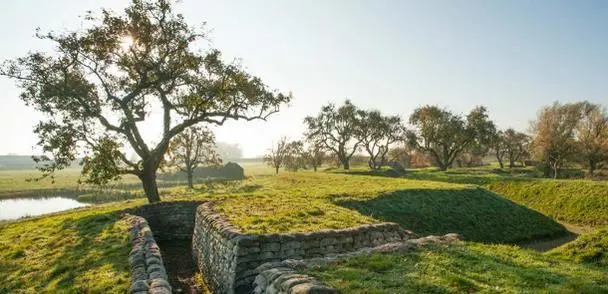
(463, 268)
(84, 251)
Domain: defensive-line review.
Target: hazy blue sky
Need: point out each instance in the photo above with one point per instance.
(512, 56)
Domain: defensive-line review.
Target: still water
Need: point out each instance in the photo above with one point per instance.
(22, 207)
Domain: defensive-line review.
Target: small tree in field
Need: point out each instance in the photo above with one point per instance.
(314, 156)
(516, 146)
(100, 85)
(295, 157)
(498, 144)
(376, 133)
(444, 135)
(554, 135)
(192, 148)
(277, 154)
(336, 129)
(510, 144)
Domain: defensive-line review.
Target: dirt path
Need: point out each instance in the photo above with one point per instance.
(544, 244)
(181, 268)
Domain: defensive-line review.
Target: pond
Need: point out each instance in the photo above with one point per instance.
(23, 207)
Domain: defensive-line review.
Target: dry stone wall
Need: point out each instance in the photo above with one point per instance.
(147, 270)
(171, 220)
(229, 258)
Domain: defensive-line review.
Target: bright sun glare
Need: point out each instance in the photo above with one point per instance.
(126, 42)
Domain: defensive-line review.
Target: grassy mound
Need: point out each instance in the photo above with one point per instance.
(572, 201)
(296, 202)
(474, 213)
(84, 251)
(589, 248)
(462, 268)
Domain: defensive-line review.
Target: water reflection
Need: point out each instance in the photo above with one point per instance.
(22, 207)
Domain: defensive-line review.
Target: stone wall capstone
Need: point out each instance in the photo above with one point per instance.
(228, 258)
(147, 270)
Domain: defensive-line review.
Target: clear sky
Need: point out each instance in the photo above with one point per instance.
(512, 56)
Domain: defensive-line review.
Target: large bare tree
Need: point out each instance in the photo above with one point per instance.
(100, 85)
(277, 154)
(336, 129)
(193, 147)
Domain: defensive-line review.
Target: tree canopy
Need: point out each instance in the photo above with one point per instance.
(377, 132)
(193, 147)
(444, 135)
(100, 85)
(335, 128)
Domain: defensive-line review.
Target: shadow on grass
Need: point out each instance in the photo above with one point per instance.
(100, 244)
(474, 213)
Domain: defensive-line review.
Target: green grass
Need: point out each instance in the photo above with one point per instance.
(463, 268)
(572, 201)
(296, 202)
(82, 251)
(589, 248)
(86, 250)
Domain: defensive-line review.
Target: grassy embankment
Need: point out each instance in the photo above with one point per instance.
(463, 268)
(591, 248)
(81, 251)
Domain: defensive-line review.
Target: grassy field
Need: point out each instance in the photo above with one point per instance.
(307, 201)
(85, 250)
(463, 268)
(81, 251)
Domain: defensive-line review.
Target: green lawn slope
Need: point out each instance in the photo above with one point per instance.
(572, 201)
(301, 202)
(463, 268)
(591, 248)
(83, 251)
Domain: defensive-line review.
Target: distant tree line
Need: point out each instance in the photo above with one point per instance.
(574, 133)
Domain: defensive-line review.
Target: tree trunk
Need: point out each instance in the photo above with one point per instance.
(148, 180)
(314, 167)
(190, 185)
(502, 165)
(345, 163)
(592, 167)
(511, 163)
(276, 170)
(555, 170)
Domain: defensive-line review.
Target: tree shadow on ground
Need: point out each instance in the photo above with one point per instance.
(101, 243)
(474, 213)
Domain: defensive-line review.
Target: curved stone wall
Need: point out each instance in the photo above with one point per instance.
(147, 270)
(170, 220)
(228, 258)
